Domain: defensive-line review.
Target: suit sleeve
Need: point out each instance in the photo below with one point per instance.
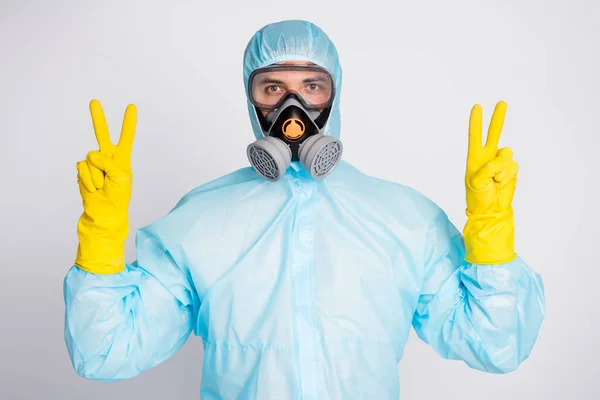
(488, 316)
(117, 326)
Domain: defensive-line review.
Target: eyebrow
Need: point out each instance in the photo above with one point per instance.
(266, 80)
(315, 79)
(270, 80)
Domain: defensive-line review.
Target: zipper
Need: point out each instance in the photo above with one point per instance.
(302, 286)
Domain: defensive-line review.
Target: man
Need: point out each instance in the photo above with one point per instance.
(302, 275)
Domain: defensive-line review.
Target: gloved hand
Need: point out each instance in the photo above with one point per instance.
(490, 181)
(105, 179)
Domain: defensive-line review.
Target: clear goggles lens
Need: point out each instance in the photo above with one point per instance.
(270, 85)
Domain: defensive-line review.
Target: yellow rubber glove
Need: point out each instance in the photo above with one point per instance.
(105, 179)
(490, 182)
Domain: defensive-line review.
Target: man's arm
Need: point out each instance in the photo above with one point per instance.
(120, 318)
(488, 316)
(118, 325)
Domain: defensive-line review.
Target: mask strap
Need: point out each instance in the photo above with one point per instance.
(322, 119)
(265, 125)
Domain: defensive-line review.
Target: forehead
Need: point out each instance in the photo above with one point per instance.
(290, 77)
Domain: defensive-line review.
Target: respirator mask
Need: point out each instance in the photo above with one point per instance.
(293, 104)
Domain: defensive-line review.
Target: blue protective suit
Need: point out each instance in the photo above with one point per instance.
(300, 289)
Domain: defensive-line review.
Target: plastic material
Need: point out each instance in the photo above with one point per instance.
(300, 288)
(320, 155)
(270, 157)
(105, 185)
(490, 181)
(294, 136)
(269, 86)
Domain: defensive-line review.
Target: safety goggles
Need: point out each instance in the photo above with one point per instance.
(269, 86)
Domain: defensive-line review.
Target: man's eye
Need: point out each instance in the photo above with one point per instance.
(313, 86)
(273, 88)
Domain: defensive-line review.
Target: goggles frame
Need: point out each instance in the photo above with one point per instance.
(284, 67)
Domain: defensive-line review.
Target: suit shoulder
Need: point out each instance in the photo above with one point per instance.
(391, 198)
(232, 181)
(205, 200)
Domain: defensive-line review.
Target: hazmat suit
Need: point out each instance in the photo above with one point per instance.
(300, 288)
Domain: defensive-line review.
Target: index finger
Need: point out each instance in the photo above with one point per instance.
(100, 126)
(475, 128)
(496, 125)
(128, 129)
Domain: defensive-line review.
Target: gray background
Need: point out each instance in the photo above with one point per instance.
(412, 73)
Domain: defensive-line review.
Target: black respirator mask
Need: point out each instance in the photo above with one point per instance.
(297, 101)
